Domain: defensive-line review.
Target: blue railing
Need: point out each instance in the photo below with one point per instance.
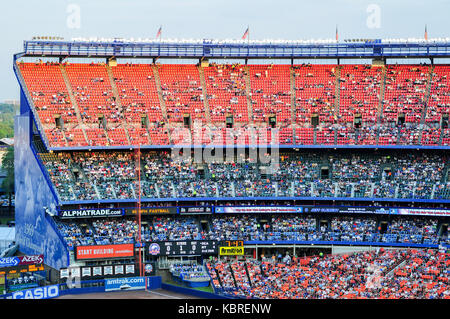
(214, 49)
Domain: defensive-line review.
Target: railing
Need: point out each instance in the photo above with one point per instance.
(214, 49)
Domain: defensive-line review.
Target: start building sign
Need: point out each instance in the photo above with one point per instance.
(104, 252)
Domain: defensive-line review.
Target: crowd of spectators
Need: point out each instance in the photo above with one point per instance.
(376, 274)
(253, 228)
(114, 175)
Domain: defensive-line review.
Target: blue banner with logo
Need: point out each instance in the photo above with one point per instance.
(127, 283)
(9, 262)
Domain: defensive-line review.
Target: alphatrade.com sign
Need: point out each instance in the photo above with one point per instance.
(45, 292)
(90, 213)
(128, 283)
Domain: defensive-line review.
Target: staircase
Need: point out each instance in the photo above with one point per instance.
(218, 277)
(161, 99)
(118, 101)
(337, 92)
(390, 272)
(65, 138)
(160, 95)
(73, 101)
(205, 94)
(107, 136)
(427, 95)
(247, 94)
(426, 102)
(380, 101)
(98, 193)
(233, 276)
(248, 275)
(84, 178)
(293, 106)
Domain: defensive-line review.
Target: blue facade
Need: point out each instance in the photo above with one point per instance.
(35, 230)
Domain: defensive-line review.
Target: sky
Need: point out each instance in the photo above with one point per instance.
(219, 19)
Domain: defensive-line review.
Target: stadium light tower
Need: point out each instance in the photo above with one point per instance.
(139, 206)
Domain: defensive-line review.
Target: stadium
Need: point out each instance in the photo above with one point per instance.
(239, 170)
(157, 159)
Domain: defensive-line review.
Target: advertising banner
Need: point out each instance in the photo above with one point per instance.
(152, 211)
(347, 210)
(21, 260)
(183, 248)
(198, 210)
(104, 251)
(423, 212)
(91, 213)
(45, 292)
(259, 210)
(231, 251)
(96, 272)
(127, 283)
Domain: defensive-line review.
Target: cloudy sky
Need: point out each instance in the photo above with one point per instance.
(222, 19)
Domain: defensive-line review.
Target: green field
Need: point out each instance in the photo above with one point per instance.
(206, 289)
(4, 220)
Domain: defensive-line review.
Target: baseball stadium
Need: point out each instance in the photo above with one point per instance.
(158, 168)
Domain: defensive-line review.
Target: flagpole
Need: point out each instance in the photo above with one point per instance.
(337, 35)
(248, 35)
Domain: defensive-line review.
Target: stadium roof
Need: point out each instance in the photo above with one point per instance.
(240, 49)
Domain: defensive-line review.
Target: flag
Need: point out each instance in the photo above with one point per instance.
(337, 36)
(245, 34)
(158, 34)
(426, 33)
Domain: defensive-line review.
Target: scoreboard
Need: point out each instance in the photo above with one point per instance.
(21, 269)
(183, 248)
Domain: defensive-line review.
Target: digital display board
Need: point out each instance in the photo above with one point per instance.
(259, 210)
(21, 269)
(152, 211)
(197, 210)
(182, 248)
(347, 210)
(104, 251)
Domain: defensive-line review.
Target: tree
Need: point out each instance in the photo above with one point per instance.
(8, 182)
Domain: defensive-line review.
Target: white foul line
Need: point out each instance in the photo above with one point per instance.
(164, 295)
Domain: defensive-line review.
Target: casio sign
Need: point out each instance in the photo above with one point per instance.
(37, 293)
